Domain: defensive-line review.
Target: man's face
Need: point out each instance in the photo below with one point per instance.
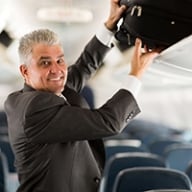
(47, 70)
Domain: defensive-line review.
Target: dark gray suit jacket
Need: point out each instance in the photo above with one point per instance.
(57, 144)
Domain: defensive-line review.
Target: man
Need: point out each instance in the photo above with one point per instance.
(55, 137)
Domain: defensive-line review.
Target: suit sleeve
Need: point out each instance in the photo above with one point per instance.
(87, 64)
(55, 121)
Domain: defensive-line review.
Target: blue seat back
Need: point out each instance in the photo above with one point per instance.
(158, 147)
(178, 156)
(5, 147)
(122, 161)
(146, 178)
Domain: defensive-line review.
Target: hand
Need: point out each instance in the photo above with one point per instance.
(115, 14)
(141, 59)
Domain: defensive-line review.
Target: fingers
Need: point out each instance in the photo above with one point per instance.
(115, 14)
(137, 52)
(145, 50)
(116, 1)
(123, 7)
(142, 58)
(152, 55)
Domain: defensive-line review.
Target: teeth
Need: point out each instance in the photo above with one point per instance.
(55, 79)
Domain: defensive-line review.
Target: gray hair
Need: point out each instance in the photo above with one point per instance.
(27, 42)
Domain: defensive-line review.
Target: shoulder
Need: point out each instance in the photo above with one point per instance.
(33, 100)
(40, 100)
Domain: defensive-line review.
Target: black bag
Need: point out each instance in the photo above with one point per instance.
(158, 23)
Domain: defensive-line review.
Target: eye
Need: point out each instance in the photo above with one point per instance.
(61, 61)
(45, 63)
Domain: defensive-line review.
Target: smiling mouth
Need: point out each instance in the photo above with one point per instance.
(55, 79)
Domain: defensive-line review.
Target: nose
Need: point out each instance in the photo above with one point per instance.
(55, 67)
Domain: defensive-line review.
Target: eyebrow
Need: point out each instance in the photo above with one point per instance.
(43, 57)
(62, 55)
(48, 57)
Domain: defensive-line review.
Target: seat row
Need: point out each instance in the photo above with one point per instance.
(125, 157)
(176, 154)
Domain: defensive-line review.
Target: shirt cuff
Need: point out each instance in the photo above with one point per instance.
(105, 36)
(132, 84)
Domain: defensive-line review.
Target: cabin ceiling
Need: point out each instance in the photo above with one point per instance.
(172, 69)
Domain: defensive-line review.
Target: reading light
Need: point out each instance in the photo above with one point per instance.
(65, 14)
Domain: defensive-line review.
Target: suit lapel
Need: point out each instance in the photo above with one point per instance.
(74, 98)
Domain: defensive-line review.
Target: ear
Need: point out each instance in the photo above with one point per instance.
(24, 70)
